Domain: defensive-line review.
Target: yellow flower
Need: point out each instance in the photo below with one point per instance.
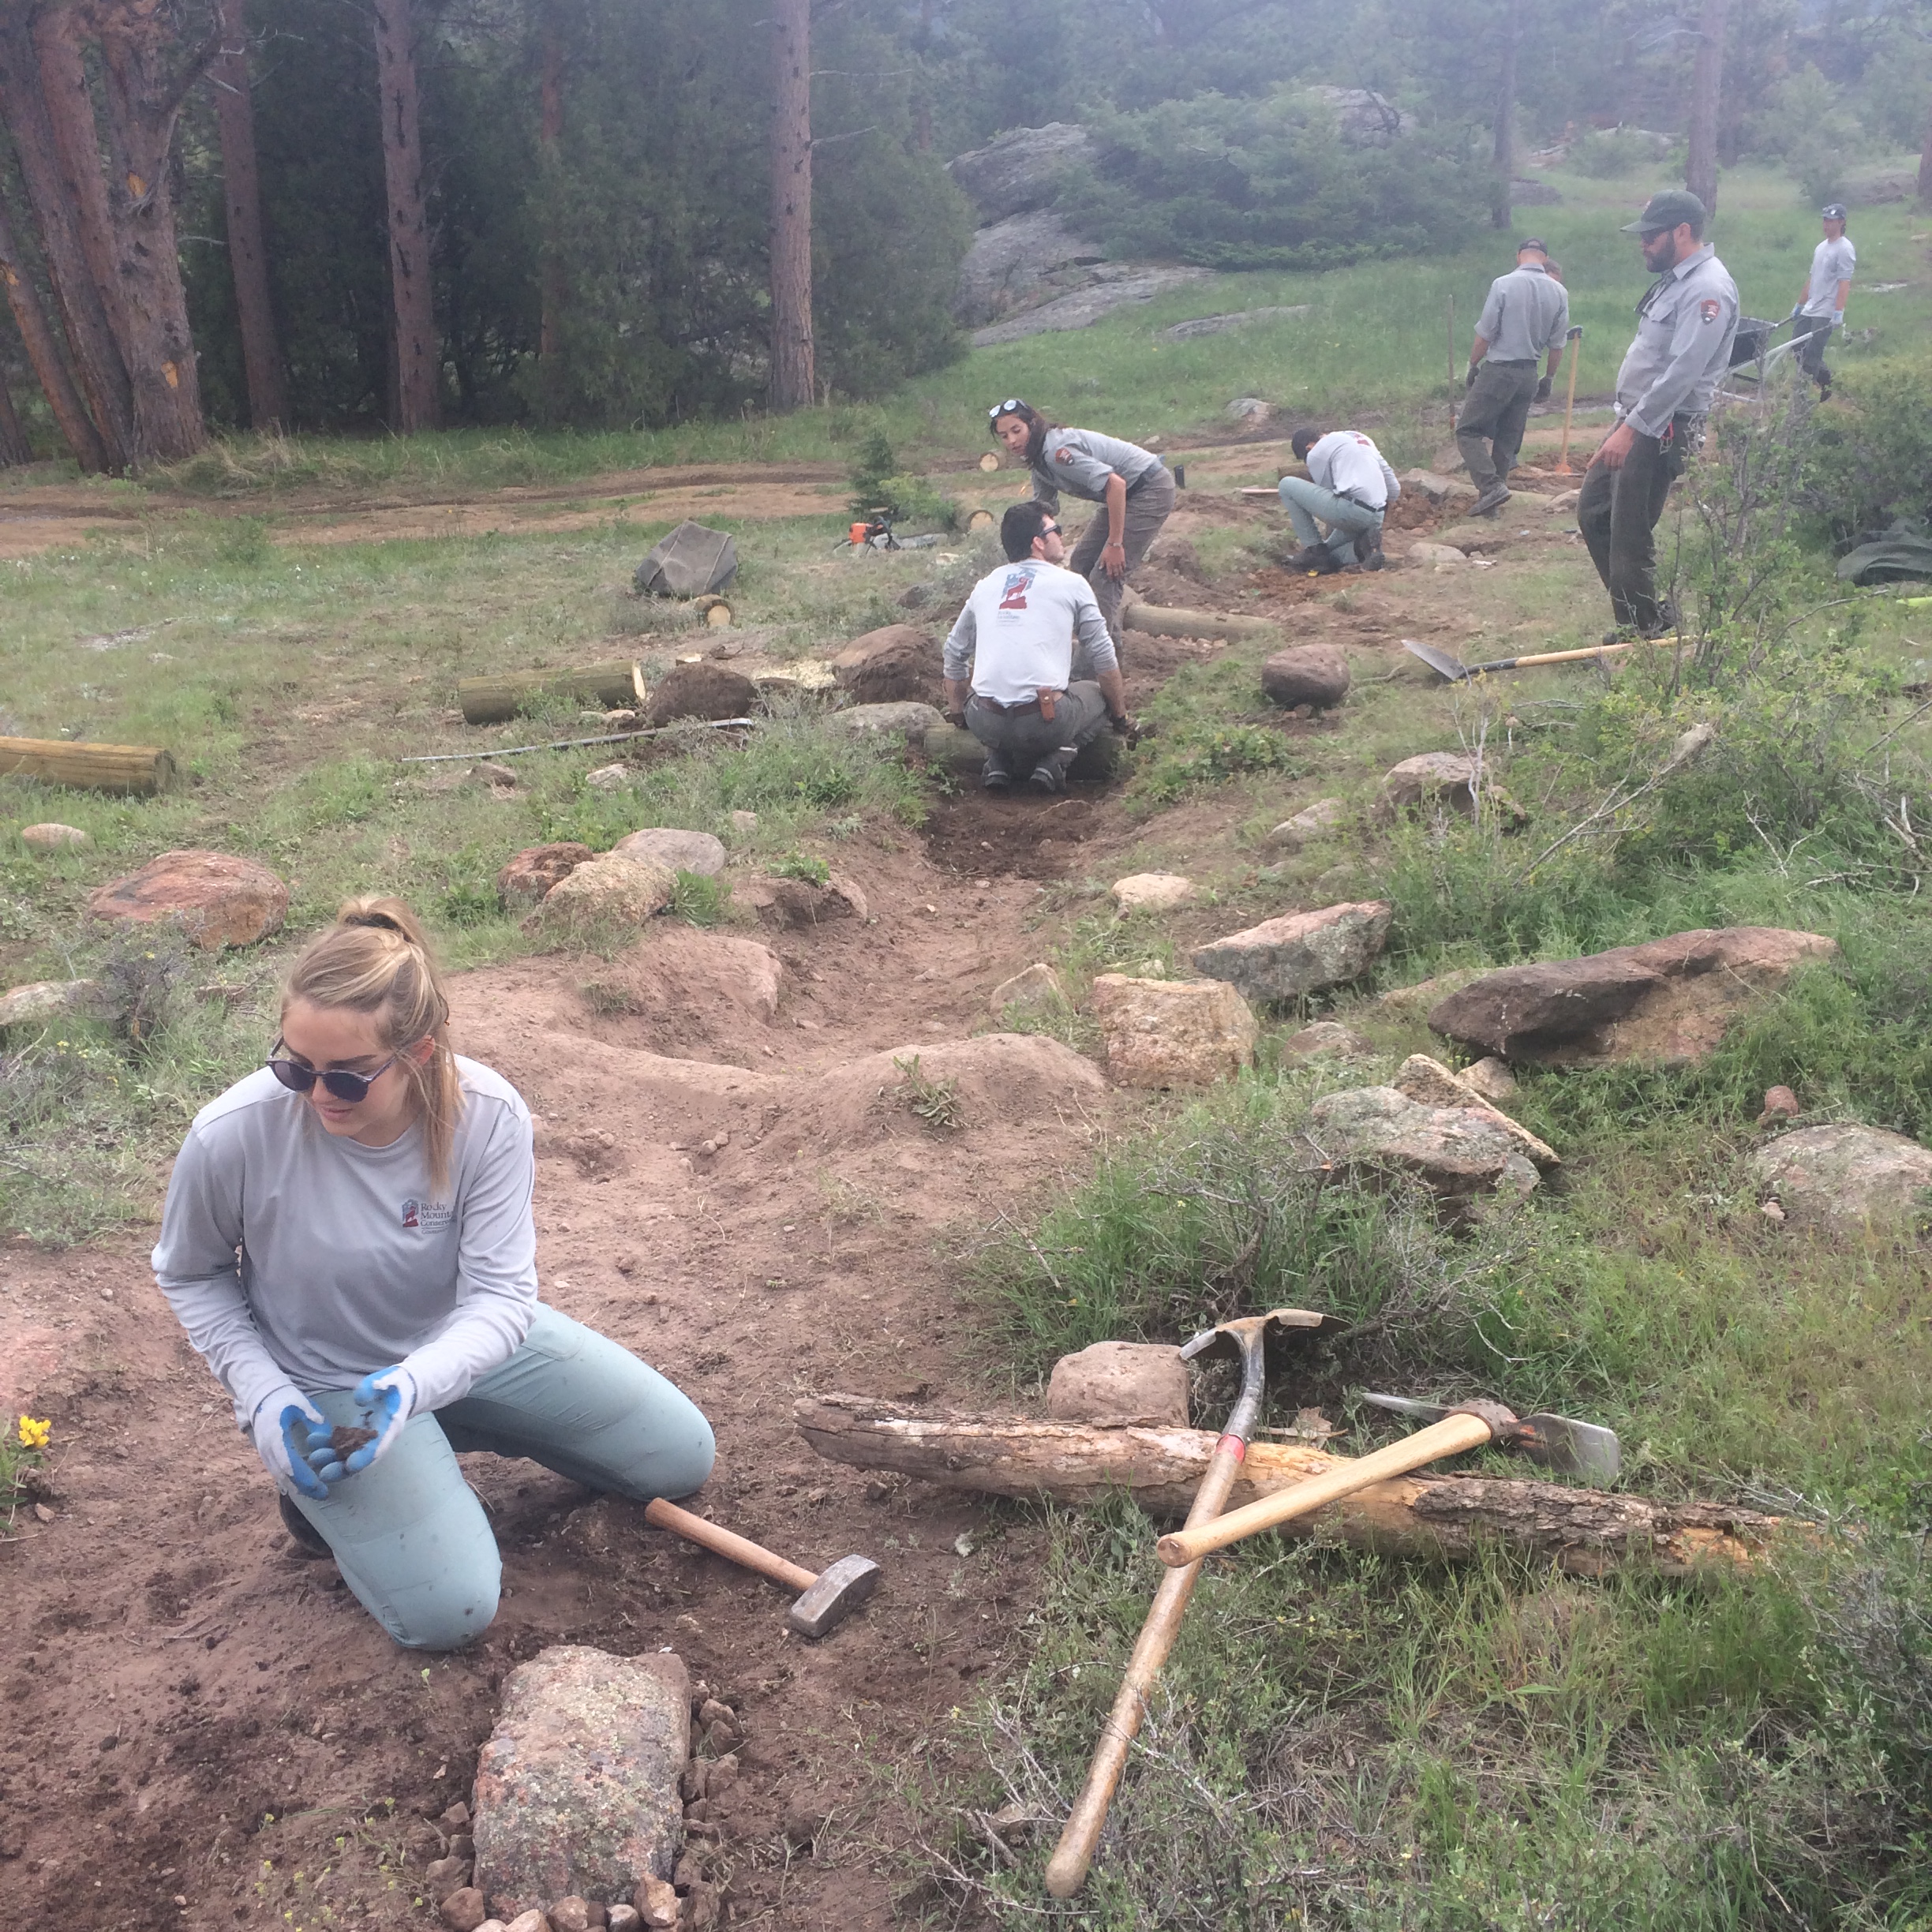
(35, 1435)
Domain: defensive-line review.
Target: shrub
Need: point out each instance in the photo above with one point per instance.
(1200, 754)
(1871, 457)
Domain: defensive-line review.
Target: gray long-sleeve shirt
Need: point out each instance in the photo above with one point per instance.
(1081, 461)
(1527, 315)
(1684, 328)
(291, 1255)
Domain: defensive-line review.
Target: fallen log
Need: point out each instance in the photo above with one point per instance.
(494, 700)
(1158, 621)
(1585, 1532)
(129, 770)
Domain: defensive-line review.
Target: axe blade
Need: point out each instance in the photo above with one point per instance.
(1559, 1442)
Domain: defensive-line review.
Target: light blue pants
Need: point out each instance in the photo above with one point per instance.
(1346, 517)
(409, 1534)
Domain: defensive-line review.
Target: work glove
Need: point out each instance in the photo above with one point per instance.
(1123, 727)
(291, 1437)
(957, 720)
(1469, 381)
(1543, 390)
(386, 1398)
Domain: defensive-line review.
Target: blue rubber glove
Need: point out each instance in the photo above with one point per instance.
(387, 1398)
(291, 1437)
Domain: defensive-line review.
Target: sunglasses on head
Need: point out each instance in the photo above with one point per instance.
(1012, 406)
(339, 1081)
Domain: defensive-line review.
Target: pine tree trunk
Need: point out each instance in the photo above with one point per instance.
(14, 448)
(550, 133)
(794, 380)
(1503, 147)
(248, 259)
(100, 374)
(1925, 168)
(418, 355)
(70, 413)
(142, 93)
(1706, 84)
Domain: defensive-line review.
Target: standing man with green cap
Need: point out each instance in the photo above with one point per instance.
(1526, 316)
(1821, 304)
(1664, 390)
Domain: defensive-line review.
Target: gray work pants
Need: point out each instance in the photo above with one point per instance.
(1150, 503)
(1489, 428)
(1346, 519)
(1811, 333)
(1617, 512)
(1016, 742)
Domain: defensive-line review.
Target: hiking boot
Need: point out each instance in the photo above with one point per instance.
(1494, 496)
(308, 1541)
(994, 776)
(1317, 560)
(1050, 775)
(1368, 550)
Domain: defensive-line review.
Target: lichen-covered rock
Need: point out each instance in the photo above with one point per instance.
(677, 851)
(1121, 1385)
(529, 875)
(604, 895)
(1306, 674)
(1455, 1152)
(905, 717)
(1847, 1174)
(1282, 958)
(1019, 169)
(577, 1789)
(217, 899)
(1492, 1079)
(1172, 1032)
(42, 1000)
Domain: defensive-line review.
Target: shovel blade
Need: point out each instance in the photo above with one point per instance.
(1440, 662)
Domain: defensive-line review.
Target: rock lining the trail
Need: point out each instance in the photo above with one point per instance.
(1151, 891)
(528, 876)
(1172, 1032)
(678, 851)
(897, 662)
(1311, 823)
(1456, 1152)
(42, 1000)
(1430, 1084)
(603, 893)
(907, 718)
(216, 899)
(703, 690)
(1282, 958)
(1034, 989)
(1121, 1385)
(1306, 674)
(1846, 1175)
(1326, 1039)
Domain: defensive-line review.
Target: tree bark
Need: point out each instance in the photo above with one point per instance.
(1585, 1532)
(1925, 168)
(416, 350)
(550, 134)
(266, 372)
(14, 448)
(1706, 86)
(794, 379)
(29, 112)
(1503, 147)
(492, 700)
(70, 413)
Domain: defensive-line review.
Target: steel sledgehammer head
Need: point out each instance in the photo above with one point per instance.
(835, 1593)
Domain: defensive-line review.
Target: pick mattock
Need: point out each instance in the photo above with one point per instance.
(1576, 356)
(825, 1601)
(1556, 1441)
(1067, 1869)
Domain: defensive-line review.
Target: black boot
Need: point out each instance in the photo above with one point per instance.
(308, 1541)
(994, 775)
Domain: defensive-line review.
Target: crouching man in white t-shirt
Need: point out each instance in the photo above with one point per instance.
(1009, 660)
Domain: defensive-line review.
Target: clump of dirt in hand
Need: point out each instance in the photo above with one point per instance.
(345, 1441)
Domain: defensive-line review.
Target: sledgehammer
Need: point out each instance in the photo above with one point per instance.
(825, 1601)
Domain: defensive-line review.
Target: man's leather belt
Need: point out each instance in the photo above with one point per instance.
(1030, 704)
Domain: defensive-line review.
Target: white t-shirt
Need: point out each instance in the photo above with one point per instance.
(290, 1256)
(1832, 262)
(1017, 631)
(1347, 463)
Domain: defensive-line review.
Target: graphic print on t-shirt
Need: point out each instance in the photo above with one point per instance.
(1016, 589)
(416, 1214)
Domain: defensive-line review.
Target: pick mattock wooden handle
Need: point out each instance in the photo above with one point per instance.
(1067, 1869)
(1451, 1436)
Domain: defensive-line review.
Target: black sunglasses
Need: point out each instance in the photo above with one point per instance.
(339, 1082)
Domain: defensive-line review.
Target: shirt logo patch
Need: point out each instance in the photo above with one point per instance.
(417, 1214)
(1709, 308)
(1015, 594)
(1065, 455)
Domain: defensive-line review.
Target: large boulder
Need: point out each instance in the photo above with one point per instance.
(1846, 1175)
(217, 899)
(1019, 169)
(900, 661)
(1669, 1001)
(1306, 674)
(703, 690)
(677, 850)
(1455, 1151)
(1282, 958)
(526, 879)
(1121, 1385)
(1172, 1032)
(1019, 261)
(603, 897)
(577, 1789)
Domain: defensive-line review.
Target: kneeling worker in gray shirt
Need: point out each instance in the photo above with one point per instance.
(1009, 659)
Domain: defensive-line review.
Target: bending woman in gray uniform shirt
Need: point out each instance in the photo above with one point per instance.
(348, 1240)
(1133, 483)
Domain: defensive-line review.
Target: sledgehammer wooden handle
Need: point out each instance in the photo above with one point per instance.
(662, 1515)
(1451, 1436)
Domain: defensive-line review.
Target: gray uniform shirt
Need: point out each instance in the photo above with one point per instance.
(1832, 262)
(1527, 314)
(1684, 328)
(290, 1256)
(1018, 628)
(1080, 460)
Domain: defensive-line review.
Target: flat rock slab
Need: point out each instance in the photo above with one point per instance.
(529, 875)
(1306, 674)
(1455, 1152)
(1121, 1385)
(676, 850)
(1430, 1084)
(1846, 1175)
(1282, 958)
(1152, 892)
(1172, 1032)
(702, 691)
(1086, 306)
(903, 718)
(1226, 324)
(577, 1789)
(604, 895)
(217, 899)
(1669, 1000)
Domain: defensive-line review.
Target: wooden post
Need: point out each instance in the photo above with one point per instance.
(131, 770)
(1158, 621)
(492, 700)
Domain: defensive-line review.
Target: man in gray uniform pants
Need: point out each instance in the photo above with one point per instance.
(1684, 327)
(1820, 305)
(1014, 640)
(1527, 315)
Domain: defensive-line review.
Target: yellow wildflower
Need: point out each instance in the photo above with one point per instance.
(35, 1435)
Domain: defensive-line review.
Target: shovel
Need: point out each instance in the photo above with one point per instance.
(1557, 1442)
(1455, 671)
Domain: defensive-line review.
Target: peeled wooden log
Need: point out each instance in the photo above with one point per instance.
(1585, 1532)
(129, 770)
(492, 700)
(1158, 621)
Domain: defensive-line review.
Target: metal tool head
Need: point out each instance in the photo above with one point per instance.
(1559, 1442)
(1440, 662)
(1243, 1326)
(835, 1593)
